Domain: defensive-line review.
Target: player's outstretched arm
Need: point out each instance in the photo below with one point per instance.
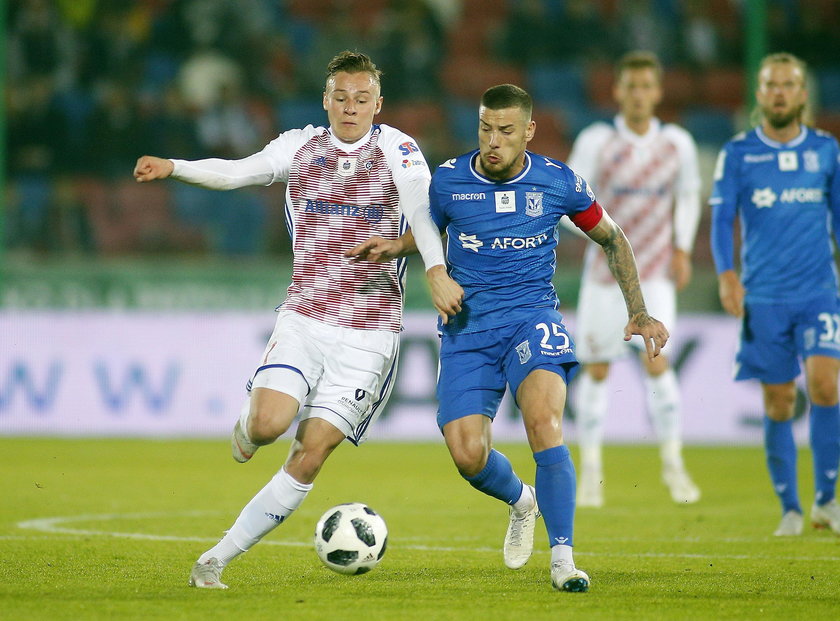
(622, 264)
(447, 294)
(149, 168)
(380, 250)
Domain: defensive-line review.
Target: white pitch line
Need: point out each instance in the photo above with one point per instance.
(56, 526)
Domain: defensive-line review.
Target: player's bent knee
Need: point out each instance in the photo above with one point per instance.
(265, 426)
(822, 390)
(469, 458)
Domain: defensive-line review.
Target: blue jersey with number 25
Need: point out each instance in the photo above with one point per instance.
(502, 236)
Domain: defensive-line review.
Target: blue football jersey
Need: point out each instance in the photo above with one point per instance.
(502, 236)
(784, 195)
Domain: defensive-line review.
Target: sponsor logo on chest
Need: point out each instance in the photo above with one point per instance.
(346, 166)
(505, 201)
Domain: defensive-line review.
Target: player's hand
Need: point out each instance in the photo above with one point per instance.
(447, 294)
(376, 250)
(731, 293)
(653, 331)
(149, 168)
(681, 269)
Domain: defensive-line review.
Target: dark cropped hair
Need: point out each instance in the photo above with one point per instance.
(507, 96)
(353, 62)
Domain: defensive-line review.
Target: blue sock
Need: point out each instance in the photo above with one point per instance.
(825, 447)
(497, 479)
(555, 485)
(781, 461)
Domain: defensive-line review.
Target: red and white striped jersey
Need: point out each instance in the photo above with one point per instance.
(640, 181)
(338, 198)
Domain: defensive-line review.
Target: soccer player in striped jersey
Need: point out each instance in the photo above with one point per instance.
(500, 207)
(782, 179)
(333, 353)
(646, 173)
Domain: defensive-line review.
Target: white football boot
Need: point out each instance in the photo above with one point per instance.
(791, 524)
(826, 516)
(566, 577)
(519, 539)
(207, 575)
(682, 488)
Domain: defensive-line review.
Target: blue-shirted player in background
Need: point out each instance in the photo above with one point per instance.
(783, 179)
(500, 207)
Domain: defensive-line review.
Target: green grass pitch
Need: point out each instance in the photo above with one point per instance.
(108, 529)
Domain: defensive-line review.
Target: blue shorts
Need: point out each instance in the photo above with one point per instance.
(476, 367)
(775, 336)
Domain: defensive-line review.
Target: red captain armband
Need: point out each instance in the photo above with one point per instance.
(587, 220)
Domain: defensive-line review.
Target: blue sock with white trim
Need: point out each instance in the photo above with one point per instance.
(825, 447)
(497, 479)
(780, 450)
(555, 484)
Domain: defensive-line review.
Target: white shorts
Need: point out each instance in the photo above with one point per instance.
(339, 374)
(602, 316)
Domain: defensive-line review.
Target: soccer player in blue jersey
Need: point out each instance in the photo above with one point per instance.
(500, 207)
(783, 180)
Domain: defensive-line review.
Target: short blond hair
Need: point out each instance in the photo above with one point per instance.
(639, 59)
(353, 62)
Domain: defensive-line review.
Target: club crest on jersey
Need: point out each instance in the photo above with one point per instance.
(505, 201)
(811, 161)
(346, 166)
(788, 160)
(533, 204)
(524, 351)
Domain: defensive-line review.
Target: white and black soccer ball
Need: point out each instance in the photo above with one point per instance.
(351, 538)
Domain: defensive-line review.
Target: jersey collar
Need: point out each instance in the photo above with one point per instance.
(350, 147)
(631, 136)
(803, 133)
(484, 179)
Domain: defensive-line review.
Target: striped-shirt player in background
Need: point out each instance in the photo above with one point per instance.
(333, 353)
(783, 179)
(646, 173)
(500, 207)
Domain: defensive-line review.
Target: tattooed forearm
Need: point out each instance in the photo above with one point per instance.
(622, 264)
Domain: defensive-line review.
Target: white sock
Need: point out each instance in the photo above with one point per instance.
(271, 506)
(671, 454)
(562, 554)
(663, 400)
(591, 409)
(243, 418)
(526, 501)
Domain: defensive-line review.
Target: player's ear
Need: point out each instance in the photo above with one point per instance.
(324, 102)
(530, 130)
(378, 108)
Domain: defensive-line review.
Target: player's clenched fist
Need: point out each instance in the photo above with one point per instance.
(149, 168)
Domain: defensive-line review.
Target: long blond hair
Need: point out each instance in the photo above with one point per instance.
(806, 117)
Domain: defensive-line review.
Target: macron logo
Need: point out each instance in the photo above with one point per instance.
(470, 242)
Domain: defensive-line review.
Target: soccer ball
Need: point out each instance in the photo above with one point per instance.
(351, 538)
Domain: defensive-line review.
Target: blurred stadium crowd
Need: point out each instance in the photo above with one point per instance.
(93, 84)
